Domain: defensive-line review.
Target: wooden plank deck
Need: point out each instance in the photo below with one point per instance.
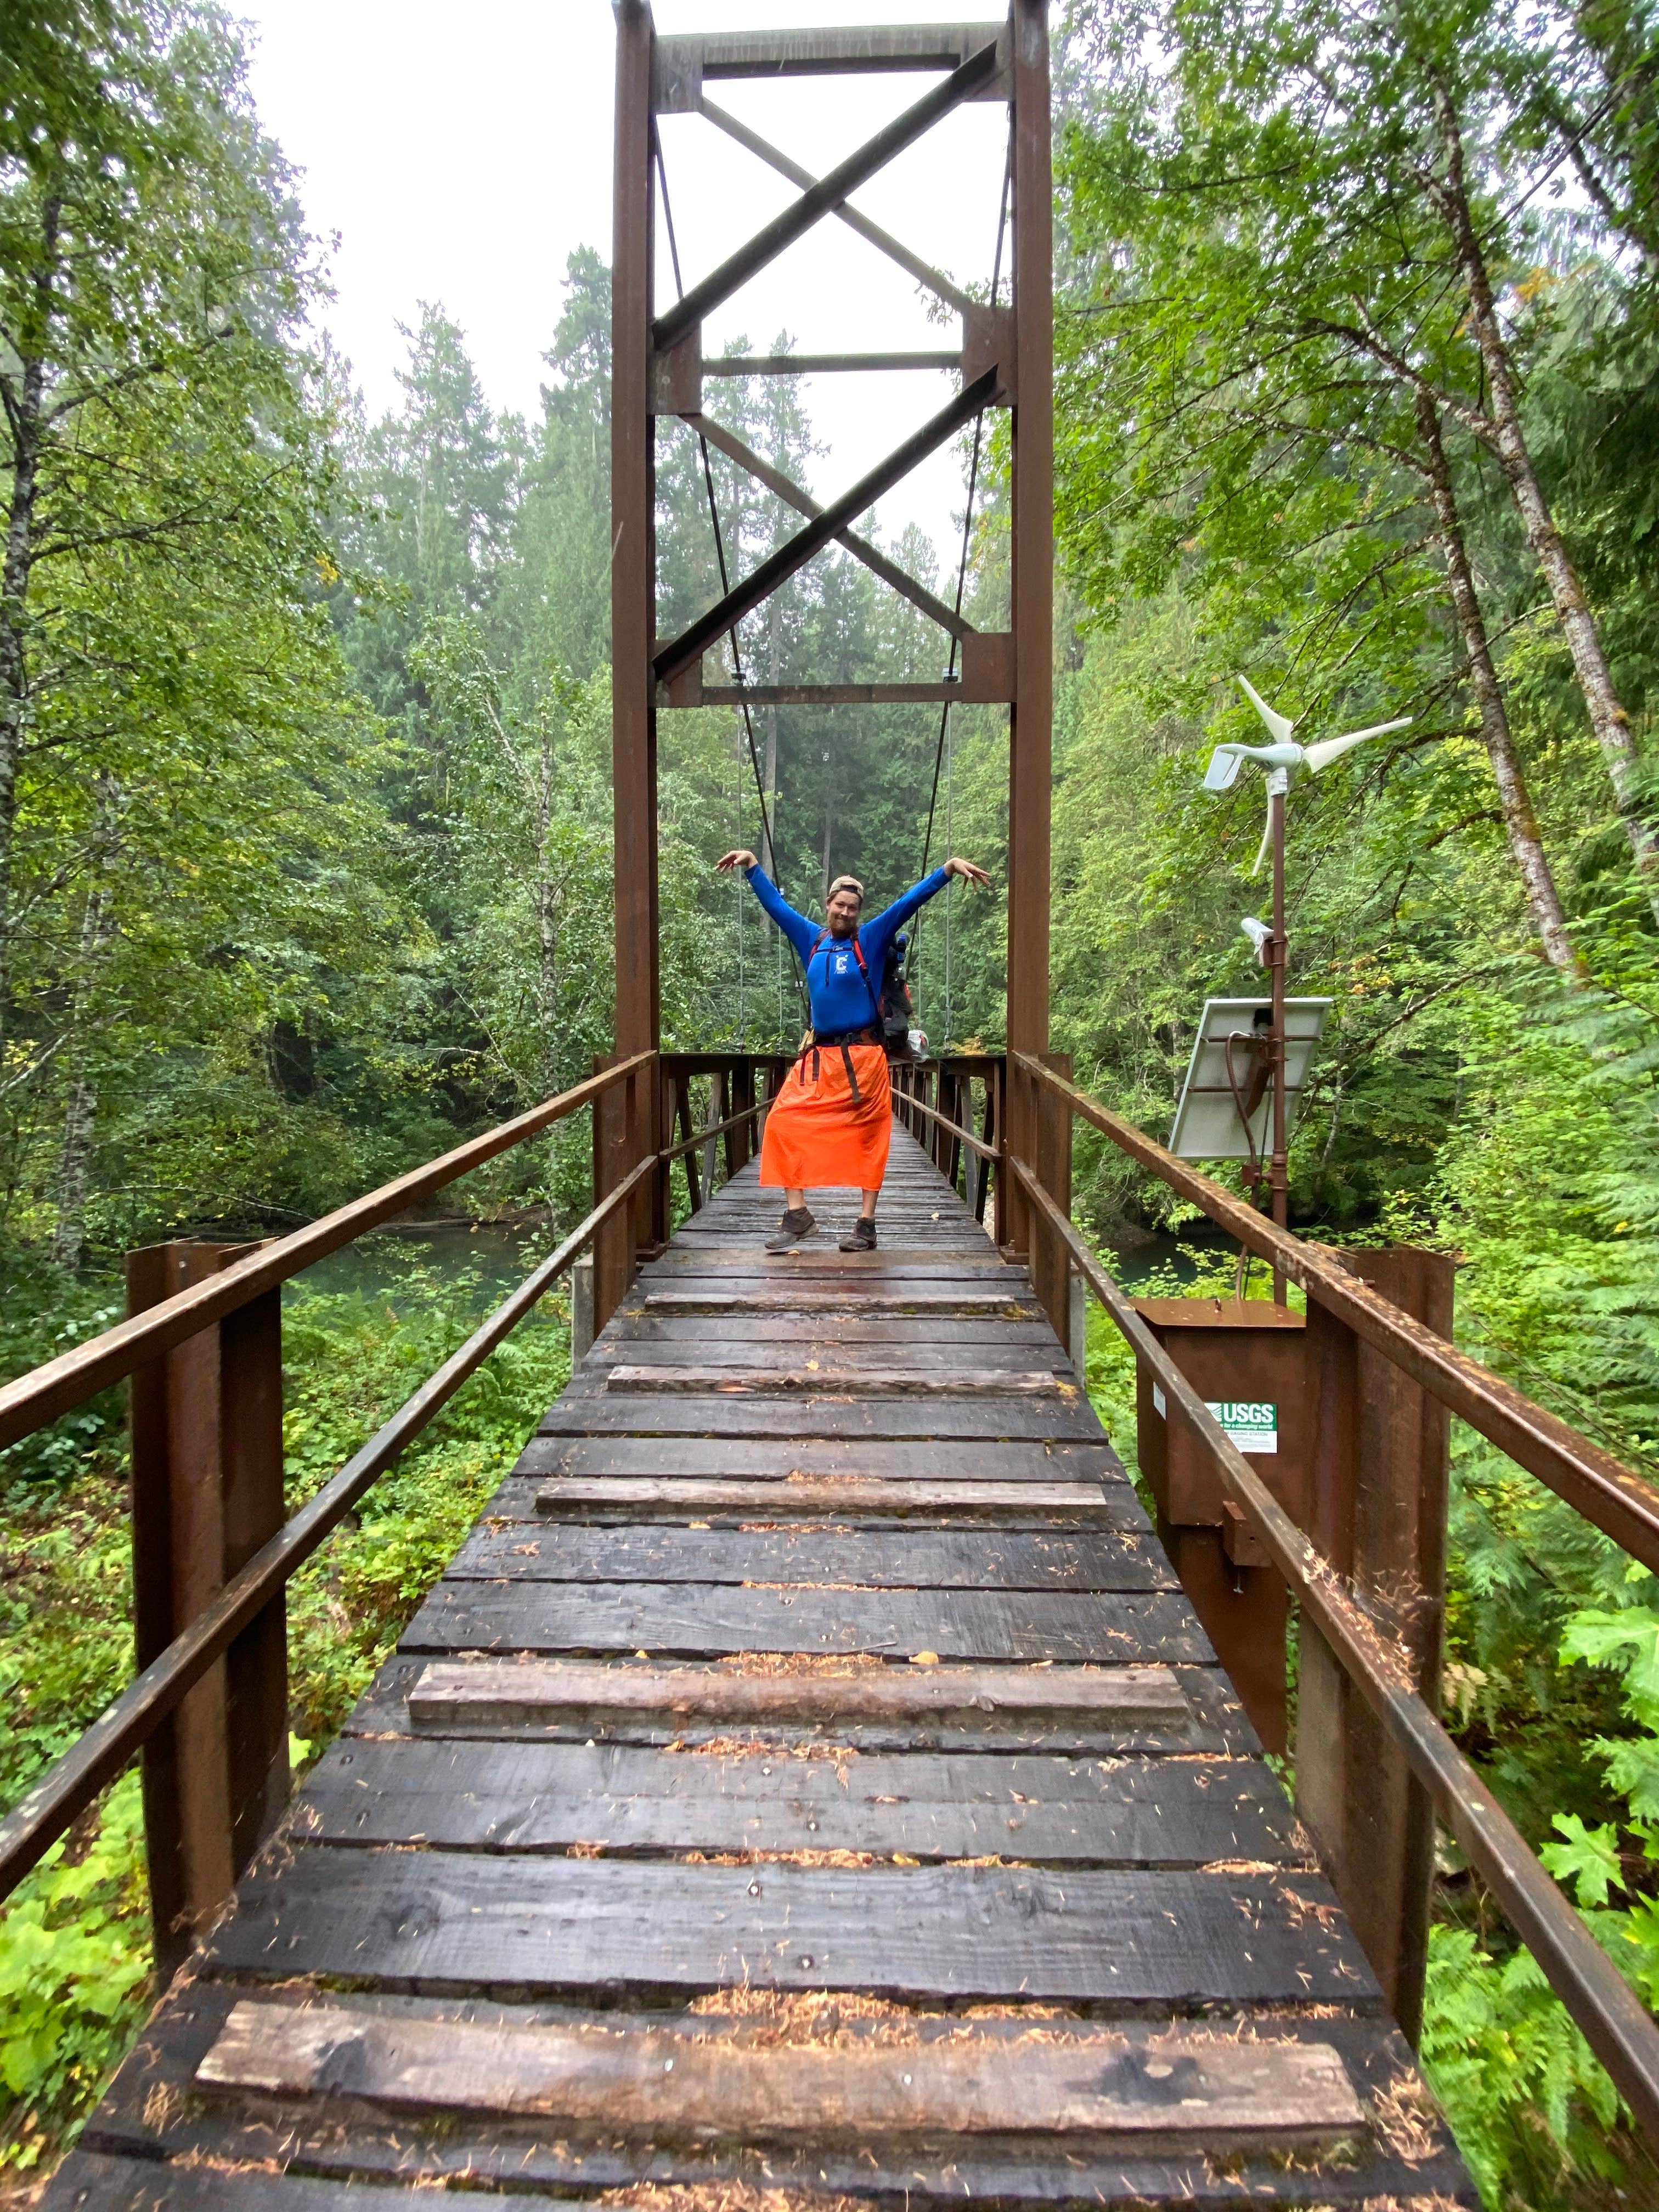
(808, 1778)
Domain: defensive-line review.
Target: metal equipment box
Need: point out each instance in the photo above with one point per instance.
(1248, 1359)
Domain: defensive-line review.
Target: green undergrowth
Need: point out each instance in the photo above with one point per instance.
(75, 1979)
(1551, 1685)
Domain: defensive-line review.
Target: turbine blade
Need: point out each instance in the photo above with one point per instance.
(1330, 749)
(1281, 729)
(1266, 839)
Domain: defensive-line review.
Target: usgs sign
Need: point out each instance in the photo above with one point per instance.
(1252, 1423)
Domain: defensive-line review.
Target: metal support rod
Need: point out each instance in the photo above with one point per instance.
(832, 695)
(823, 198)
(825, 364)
(633, 560)
(632, 1135)
(878, 49)
(872, 233)
(795, 552)
(1278, 954)
(1030, 736)
(785, 489)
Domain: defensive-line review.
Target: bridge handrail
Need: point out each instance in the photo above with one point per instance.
(1621, 1502)
(920, 1105)
(710, 1130)
(1615, 2022)
(29, 1401)
(71, 1782)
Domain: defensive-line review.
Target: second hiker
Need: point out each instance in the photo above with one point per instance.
(831, 1123)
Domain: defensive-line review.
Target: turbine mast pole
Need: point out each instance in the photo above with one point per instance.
(1277, 952)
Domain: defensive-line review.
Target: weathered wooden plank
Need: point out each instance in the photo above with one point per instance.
(990, 1420)
(91, 2183)
(155, 2112)
(624, 1500)
(697, 1621)
(443, 1920)
(1218, 1723)
(493, 1695)
(885, 1559)
(747, 1267)
(538, 1796)
(1077, 2082)
(810, 1332)
(757, 1459)
(969, 1364)
(808, 1382)
(922, 1301)
(840, 1495)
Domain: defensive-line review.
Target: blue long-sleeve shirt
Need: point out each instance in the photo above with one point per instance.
(841, 999)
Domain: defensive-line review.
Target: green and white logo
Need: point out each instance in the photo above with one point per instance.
(1249, 1423)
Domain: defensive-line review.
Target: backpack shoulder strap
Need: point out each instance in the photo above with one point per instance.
(864, 970)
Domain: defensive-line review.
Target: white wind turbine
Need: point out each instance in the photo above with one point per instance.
(1282, 757)
(1271, 945)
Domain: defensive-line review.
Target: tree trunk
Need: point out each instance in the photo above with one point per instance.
(1519, 821)
(547, 930)
(69, 1235)
(1607, 716)
(27, 429)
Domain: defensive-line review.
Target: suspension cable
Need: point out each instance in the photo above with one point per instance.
(719, 549)
(967, 535)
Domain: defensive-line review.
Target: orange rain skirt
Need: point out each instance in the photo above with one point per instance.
(816, 1136)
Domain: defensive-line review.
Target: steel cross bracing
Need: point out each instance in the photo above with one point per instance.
(677, 366)
(1005, 360)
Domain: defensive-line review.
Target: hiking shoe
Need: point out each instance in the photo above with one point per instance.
(861, 1237)
(796, 1222)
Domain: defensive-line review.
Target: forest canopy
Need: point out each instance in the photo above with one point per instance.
(305, 797)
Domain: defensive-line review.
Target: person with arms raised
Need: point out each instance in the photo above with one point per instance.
(831, 1124)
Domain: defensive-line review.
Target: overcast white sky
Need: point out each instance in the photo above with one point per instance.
(458, 156)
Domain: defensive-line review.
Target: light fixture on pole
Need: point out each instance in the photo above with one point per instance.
(1260, 935)
(1272, 946)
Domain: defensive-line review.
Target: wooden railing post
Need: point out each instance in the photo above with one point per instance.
(651, 1130)
(996, 1133)
(955, 1104)
(613, 1243)
(1378, 1513)
(207, 1494)
(1051, 1159)
(718, 1110)
(741, 1143)
(678, 1123)
(973, 1166)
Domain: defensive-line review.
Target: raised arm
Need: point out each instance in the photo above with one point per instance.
(795, 926)
(878, 932)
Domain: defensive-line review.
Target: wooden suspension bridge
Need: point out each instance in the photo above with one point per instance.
(816, 1781)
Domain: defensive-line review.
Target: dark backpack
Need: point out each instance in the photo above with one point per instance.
(892, 1006)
